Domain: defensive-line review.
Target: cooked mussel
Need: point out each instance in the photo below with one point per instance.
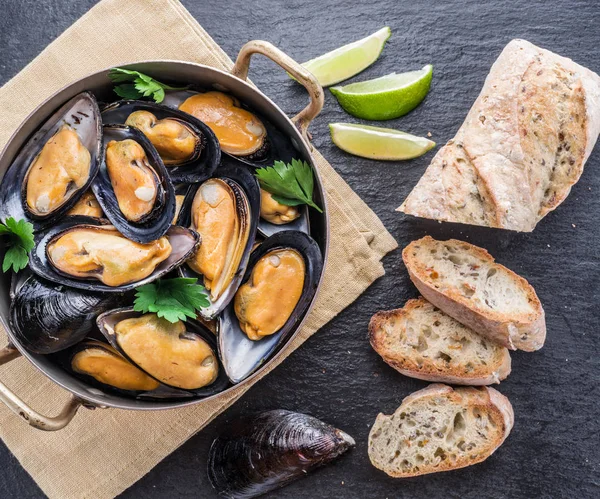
(188, 147)
(133, 186)
(107, 366)
(224, 211)
(262, 452)
(46, 317)
(275, 217)
(56, 166)
(87, 206)
(84, 253)
(278, 287)
(181, 355)
(240, 132)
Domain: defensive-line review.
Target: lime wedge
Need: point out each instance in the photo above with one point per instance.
(378, 143)
(387, 97)
(343, 63)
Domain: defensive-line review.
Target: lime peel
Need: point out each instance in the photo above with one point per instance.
(378, 143)
(349, 60)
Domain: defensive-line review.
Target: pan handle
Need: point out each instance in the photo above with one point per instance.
(20, 408)
(303, 75)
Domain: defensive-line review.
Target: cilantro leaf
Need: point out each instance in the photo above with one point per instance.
(141, 85)
(172, 299)
(20, 243)
(290, 184)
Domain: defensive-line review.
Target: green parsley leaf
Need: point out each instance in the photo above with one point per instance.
(142, 85)
(20, 243)
(172, 299)
(290, 184)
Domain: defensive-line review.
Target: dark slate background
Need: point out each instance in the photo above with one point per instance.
(554, 448)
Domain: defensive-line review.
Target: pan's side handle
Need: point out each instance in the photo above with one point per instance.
(305, 77)
(20, 408)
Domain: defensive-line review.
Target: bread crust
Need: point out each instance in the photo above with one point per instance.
(518, 331)
(516, 187)
(485, 398)
(428, 371)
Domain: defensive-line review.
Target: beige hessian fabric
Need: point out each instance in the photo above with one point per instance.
(103, 452)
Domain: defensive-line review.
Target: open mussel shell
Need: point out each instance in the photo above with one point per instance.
(183, 243)
(107, 323)
(80, 114)
(46, 317)
(240, 355)
(245, 187)
(262, 452)
(277, 146)
(154, 224)
(207, 154)
(301, 224)
(110, 371)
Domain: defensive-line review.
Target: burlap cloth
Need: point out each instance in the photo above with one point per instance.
(103, 452)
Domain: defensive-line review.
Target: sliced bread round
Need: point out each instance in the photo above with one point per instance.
(439, 429)
(464, 281)
(421, 341)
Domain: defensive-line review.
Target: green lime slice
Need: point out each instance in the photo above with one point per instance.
(349, 60)
(378, 143)
(387, 97)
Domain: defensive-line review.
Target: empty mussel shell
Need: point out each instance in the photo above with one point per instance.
(227, 230)
(240, 355)
(69, 254)
(181, 355)
(66, 154)
(142, 206)
(262, 452)
(46, 317)
(242, 132)
(188, 147)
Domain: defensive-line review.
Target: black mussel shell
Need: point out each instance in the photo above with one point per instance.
(197, 169)
(229, 170)
(46, 317)
(265, 451)
(106, 324)
(162, 392)
(155, 224)
(242, 356)
(278, 146)
(183, 241)
(82, 114)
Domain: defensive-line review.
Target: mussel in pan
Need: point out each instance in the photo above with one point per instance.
(133, 186)
(240, 132)
(87, 206)
(181, 355)
(224, 211)
(46, 317)
(278, 287)
(56, 166)
(262, 452)
(84, 253)
(187, 146)
(107, 366)
(275, 217)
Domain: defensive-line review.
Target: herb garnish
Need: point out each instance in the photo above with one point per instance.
(172, 299)
(290, 184)
(142, 86)
(20, 241)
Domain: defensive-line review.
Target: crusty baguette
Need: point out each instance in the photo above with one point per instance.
(440, 429)
(463, 281)
(421, 341)
(522, 146)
